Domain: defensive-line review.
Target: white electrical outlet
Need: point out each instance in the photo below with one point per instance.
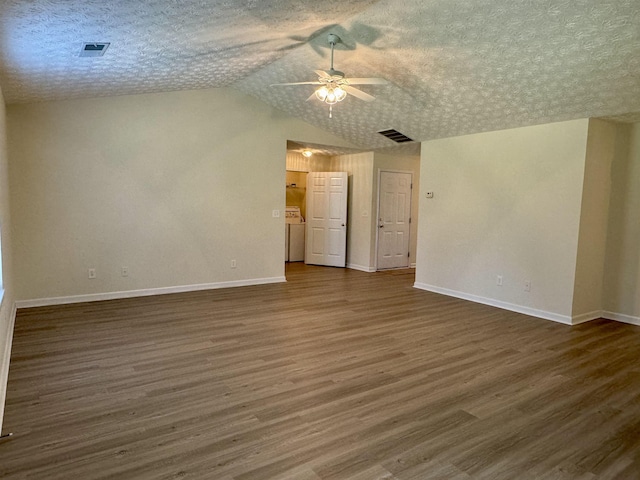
(275, 213)
(429, 194)
(527, 286)
(92, 273)
(499, 280)
(124, 271)
(233, 263)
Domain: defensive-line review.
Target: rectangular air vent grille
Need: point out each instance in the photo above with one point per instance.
(93, 49)
(395, 135)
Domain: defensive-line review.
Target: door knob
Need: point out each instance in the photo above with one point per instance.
(343, 224)
(380, 226)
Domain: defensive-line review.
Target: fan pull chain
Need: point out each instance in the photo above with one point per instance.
(330, 111)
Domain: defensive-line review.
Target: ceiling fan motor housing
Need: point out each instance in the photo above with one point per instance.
(333, 39)
(335, 74)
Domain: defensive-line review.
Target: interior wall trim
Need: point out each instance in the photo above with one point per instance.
(586, 317)
(96, 297)
(362, 268)
(4, 362)
(556, 317)
(620, 317)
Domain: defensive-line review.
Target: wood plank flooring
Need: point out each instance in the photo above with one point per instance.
(337, 374)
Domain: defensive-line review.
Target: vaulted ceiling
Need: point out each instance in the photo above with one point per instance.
(454, 66)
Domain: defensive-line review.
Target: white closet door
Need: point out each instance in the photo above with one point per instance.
(326, 219)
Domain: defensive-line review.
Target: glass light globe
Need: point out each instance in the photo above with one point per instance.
(322, 93)
(331, 97)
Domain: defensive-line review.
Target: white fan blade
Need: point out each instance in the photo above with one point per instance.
(294, 83)
(358, 93)
(322, 73)
(367, 81)
(311, 97)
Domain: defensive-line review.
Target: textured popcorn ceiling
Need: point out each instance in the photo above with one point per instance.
(454, 66)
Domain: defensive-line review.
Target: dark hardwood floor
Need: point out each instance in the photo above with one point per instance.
(337, 374)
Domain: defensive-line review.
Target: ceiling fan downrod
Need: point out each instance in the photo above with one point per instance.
(333, 39)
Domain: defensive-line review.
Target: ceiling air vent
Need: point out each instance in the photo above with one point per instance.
(395, 135)
(93, 49)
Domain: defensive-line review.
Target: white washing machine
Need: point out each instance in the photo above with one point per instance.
(294, 235)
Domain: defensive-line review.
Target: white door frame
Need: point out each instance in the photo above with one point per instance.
(377, 219)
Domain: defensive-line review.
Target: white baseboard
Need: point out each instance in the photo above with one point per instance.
(619, 317)
(565, 319)
(413, 265)
(586, 317)
(4, 362)
(95, 297)
(362, 268)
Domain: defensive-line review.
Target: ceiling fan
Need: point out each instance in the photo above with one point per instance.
(333, 85)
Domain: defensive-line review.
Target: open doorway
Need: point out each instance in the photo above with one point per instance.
(362, 169)
(295, 215)
(301, 161)
(316, 221)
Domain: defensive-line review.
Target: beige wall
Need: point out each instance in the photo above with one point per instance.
(622, 274)
(7, 310)
(592, 241)
(398, 162)
(359, 167)
(173, 186)
(506, 203)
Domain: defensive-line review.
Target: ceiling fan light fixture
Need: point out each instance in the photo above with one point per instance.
(307, 153)
(333, 86)
(331, 98)
(331, 94)
(322, 93)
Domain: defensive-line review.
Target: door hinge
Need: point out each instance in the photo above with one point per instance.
(409, 219)
(408, 254)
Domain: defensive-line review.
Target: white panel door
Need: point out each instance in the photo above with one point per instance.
(326, 219)
(394, 219)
